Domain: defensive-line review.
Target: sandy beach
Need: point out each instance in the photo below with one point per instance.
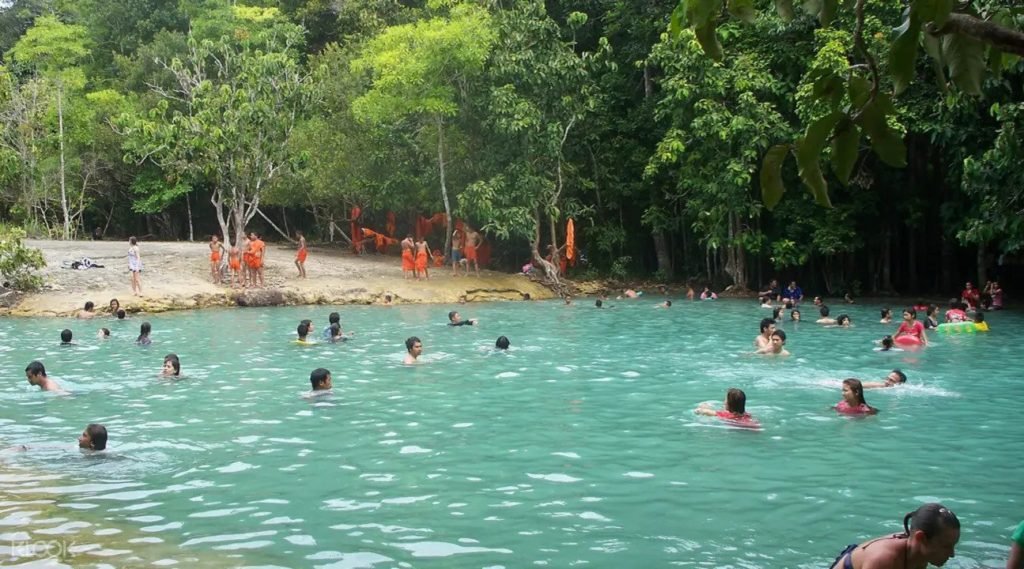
(176, 276)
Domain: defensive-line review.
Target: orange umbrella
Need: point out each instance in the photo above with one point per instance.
(570, 240)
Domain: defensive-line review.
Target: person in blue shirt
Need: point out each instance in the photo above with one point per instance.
(793, 292)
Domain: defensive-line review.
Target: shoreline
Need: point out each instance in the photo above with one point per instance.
(176, 276)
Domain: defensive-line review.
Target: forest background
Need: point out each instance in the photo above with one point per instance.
(664, 129)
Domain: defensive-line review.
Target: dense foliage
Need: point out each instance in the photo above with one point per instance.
(667, 130)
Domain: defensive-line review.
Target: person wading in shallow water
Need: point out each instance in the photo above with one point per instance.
(930, 534)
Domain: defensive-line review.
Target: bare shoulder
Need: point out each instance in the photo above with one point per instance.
(883, 554)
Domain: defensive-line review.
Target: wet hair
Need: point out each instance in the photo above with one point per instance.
(887, 343)
(89, 306)
(335, 329)
(777, 313)
(97, 433)
(410, 342)
(886, 312)
(843, 318)
(901, 375)
(979, 317)
(175, 362)
(318, 377)
(735, 401)
(668, 303)
(793, 315)
(121, 314)
(36, 368)
(65, 336)
(144, 331)
(765, 323)
(502, 342)
(930, 519)
(781, 334)
(598, 303)
(824, 311)
(302, 329)
(334, 318)
(106, 332)
(133, 240)
(857, 388)
(910, 310)
(115, 301)
(451, 315)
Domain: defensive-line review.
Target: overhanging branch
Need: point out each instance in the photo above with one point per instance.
(1007, 39)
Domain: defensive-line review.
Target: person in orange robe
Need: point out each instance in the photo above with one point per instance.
(469, 251)
(235, 265)
(408, 259)
(257, 250)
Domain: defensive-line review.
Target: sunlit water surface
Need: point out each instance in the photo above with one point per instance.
(578, 447)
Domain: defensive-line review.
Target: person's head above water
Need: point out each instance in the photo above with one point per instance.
(886, 313)
(334, 318)
(114, 305)
(668, 304)
(824, 311)
(172, 365)
(795, 315)
(979, 317)
(335, 330)
(777, 313)
(35, 371)
(414, 346)
(843, 320)
(121, 314)
(909, 313)
(320, 379)
(735, 401)
(65, 336)
(767, 325)
(896, 377)
(598, 303)
(453, 316)
(303, 330)
(932, 532)
(89, 306)
(887, 342)
(502, 343)
(104, 333)
(781, 335)
(853, 392)
(94, 437)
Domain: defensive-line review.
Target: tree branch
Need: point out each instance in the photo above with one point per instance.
(858, 44)
(991, 33)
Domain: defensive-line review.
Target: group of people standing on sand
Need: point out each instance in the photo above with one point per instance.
(417, 256)
(242, 264)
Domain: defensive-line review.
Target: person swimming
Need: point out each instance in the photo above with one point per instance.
(94, 437)
(303, 332)
(843, 321)
(103, 333)
(735, 407)
(895, 378)
(320, 381)
(825, 319)
(65, 338)
(853, 402)
(172, 366)
(886, 316)
(413, 348)
(794, 315)
(454, 319)
(144, 331)
(930, 534)
(777, 346)
(35, 373)
(502, 343)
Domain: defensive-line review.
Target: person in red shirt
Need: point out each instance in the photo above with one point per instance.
(956, 312)
(910, 327)
(971, 296)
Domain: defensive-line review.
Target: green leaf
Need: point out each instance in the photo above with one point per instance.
(829, 8)
(700, 13)
(903, 52)
(845, 148)
(884, 141)
(785, 9)
(995, 62)
(743, 9)
(771, 175)
(965, 57)
(807, 161)
(933, 46)
(708, 39)
(860, 90)
(818, 132)
(678, 20)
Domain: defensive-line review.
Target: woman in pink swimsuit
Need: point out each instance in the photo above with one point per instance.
(853, 399)
(910, 331)
(735, 410)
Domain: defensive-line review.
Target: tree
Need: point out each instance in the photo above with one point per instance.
(228, 119)
(53, 49)
(419, 69)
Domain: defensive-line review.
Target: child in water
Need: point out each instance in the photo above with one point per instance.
(911, 327)
(144, 330)
(853, 399)
(886, 316)
(979, 322)
(735, 407)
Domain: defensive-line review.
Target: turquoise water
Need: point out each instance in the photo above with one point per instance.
(578, 447)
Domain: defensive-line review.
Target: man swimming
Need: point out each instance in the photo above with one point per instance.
(455, 320)
(35, 372)
(502, 343)
(414, 348)
(65, 338)
(778, 345)
(764, 339)
(894, 379)
(94, 437)
(320, 380)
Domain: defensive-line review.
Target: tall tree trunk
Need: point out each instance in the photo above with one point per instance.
(912, 284)
(188, 206)
(982, 266)
(60, 138)
(887, 260)
(946, 272)
(662, 252)
(550, 271)
(444, 187)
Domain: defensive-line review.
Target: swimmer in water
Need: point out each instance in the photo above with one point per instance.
(455, 320)
(888, 346)
(502, 343)
(764, 339)
(144, 331)
(895, 378)
(765, 302)
(825, 319)
(320, 381)
(818, 301)
(911, 327)
(121, 314)
(979, 322)
(778, 345)
(87, 313)
(599, 303)
(853, 399)
(777, 313)
(794, 316)
(843, 321)
(115, 305)
(414, 348)
(103, 333)
(886, 316)
(735, 407)
(303, 332)
(65, 338)
(35, 372)
(94, 437)
(930, 535)
(336, 335)
(332, 319)
(666, 304)
(172, 366)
